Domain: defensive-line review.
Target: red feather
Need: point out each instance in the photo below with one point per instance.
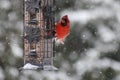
(62, 29)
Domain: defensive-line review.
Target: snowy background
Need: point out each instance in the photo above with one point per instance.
(91, 51)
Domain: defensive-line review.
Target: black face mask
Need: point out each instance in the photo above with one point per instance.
(64, 23)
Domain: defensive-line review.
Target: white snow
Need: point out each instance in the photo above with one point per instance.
(5, 4)
(2, 76)
(32, 50)
(12, 16)
(45, 67)
(106, 34)
(30, 66)
(50, 67)
(13, 72)
(16, 50)
(84, 65)
(84, 16)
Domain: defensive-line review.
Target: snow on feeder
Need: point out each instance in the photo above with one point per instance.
(38, 34)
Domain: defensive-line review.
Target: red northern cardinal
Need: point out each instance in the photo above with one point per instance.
(62, 29)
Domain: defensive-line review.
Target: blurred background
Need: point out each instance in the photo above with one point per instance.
(91, 51)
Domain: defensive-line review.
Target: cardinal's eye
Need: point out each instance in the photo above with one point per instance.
(64, 19)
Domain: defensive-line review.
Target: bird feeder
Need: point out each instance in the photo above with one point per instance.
(39, 44)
